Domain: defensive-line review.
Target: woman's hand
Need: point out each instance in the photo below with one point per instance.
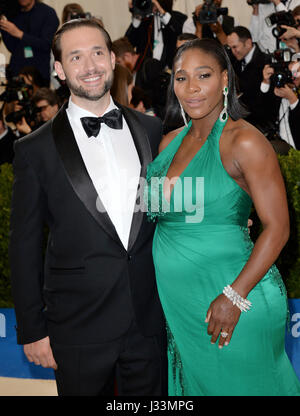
(222, 316)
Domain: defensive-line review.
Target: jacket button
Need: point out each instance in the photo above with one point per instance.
(129, 257)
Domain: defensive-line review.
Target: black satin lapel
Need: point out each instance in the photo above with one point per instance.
(77, 173)
(143, 148)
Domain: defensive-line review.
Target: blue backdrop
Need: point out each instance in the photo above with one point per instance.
(13, 362)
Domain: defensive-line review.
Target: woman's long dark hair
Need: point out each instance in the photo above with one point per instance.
(236, 110)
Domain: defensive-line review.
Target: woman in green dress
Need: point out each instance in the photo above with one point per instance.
(224, 300)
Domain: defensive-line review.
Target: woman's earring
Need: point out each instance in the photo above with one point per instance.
(183, 114)
(224, 114)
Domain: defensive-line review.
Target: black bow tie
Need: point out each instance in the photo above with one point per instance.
(92, 125)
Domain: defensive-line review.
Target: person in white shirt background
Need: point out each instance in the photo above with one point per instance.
(261, 32)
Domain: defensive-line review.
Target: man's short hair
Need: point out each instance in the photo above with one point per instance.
(186, 37)
(242, 32)
(122, 46)
(75, 24)
(46, 94)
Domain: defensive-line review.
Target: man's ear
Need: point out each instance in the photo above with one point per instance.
(113, 60)
(249, 44)
(59, 70)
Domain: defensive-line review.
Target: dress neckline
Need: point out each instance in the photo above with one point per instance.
(216, 130)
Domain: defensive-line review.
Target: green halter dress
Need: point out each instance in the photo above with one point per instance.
(201, 244)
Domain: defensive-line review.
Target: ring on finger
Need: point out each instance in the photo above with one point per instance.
(224, 334)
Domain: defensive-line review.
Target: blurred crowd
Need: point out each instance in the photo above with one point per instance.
(265, 56)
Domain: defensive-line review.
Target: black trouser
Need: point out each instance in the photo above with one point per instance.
(132, 365)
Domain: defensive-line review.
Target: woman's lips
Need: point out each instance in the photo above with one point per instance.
(194, 102)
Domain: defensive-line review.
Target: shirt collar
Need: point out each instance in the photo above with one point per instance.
(249, 55)
(77, 112)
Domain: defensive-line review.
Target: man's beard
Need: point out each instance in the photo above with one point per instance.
(90, 95)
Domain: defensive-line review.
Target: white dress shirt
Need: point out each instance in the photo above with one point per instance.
(283, 117)
(261, 32)
(249, 55)
(113, 165)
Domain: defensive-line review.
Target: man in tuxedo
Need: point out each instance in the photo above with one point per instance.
(89, 307)
(248, 62)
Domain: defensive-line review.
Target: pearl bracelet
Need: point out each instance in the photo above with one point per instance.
(243, 304)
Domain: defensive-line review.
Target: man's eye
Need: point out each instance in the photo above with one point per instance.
(75, 58)
(179, 79)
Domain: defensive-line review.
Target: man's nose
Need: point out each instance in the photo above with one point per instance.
(89, 63)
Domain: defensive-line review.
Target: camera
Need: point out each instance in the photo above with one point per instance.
(142, 8)
(74, 15)
(280, 60)
(210, 12)
(280, 18)
(17, 90)
(252, 2)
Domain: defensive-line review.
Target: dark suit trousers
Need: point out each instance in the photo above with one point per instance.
(132, 365)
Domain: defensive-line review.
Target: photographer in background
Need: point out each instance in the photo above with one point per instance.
(154, 29)
(28, 37)
(218, 30)
(70, 10)
(261, 32)
(284, 101)
(148, 73)
(248, 62)
(291, 36)
(47, 104)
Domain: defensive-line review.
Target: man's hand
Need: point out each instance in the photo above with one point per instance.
(2, 127)
(158, 7)
(11, 28)
(255, 11)
(268, 71)
(23, 126)
(291, 32)
(218, 30)
(286, 92)
(40, 353)
(276, 2)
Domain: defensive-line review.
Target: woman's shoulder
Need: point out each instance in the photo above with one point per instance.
(167, 138)
(243, 136)
(246, 145)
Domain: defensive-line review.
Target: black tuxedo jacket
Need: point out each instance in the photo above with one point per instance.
(249, 81)
(140, 36)
(7, 147)
(87, 288)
